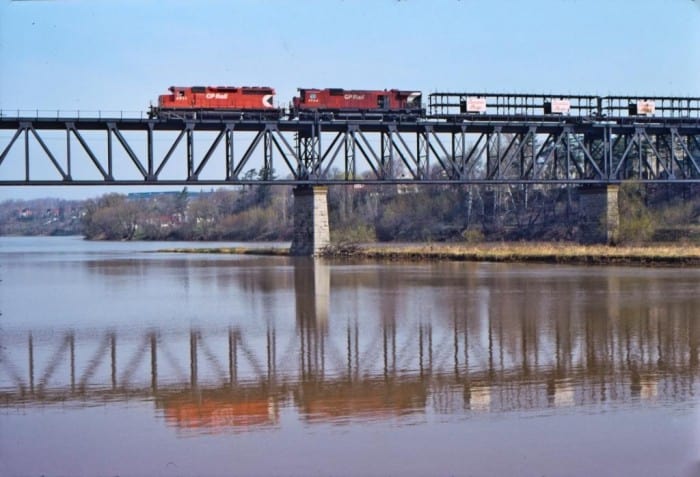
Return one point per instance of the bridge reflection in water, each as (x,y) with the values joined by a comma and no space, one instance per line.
(488,353)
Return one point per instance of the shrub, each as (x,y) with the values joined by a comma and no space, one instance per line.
(637,224)
(359,233)
(472,235)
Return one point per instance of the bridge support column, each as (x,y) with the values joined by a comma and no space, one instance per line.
(599,214)
(311,231)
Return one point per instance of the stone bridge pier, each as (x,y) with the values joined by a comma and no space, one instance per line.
(311,231)
(599,214)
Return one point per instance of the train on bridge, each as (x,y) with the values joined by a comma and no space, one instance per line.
(258,103)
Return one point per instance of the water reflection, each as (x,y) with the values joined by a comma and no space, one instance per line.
(377,343)
(216,410)
(228,397)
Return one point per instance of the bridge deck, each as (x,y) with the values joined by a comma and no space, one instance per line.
(469,149)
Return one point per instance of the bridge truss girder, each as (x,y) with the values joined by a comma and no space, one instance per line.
(638,153)
(296,152)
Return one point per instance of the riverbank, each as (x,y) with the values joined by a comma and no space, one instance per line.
(542,253)
(668,254)
(276,251)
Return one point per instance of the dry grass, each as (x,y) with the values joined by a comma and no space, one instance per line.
(669,254)
(231,251)
(540,252)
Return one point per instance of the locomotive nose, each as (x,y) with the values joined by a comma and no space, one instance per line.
(414,99)
(267,101)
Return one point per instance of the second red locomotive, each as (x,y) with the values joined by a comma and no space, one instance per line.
(337,103)
(202,102)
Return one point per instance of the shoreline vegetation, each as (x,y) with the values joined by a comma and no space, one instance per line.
(561,253)
(658,224)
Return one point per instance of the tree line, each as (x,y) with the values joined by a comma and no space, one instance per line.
(360,213)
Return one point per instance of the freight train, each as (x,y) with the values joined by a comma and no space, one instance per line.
(257,103)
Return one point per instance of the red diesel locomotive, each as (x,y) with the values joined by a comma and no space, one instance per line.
(217,102)
(356,104)
(202,102)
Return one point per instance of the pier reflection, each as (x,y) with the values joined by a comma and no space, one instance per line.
(490,343)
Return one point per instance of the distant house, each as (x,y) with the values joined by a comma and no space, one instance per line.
(165,221)
(52,213)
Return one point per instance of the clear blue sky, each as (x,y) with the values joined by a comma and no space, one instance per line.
(113,55)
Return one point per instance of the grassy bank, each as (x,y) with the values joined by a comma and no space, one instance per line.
(672,254)
(539,252)
(231,250)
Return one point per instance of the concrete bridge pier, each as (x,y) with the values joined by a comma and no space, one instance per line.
(311,231)
(599,214)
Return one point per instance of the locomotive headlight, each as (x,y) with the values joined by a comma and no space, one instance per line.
(267,101)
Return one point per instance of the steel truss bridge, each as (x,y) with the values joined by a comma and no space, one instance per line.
(512,143)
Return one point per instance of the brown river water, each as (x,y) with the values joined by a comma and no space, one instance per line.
(116,361)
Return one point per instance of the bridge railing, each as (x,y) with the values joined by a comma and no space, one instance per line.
(72,114)
(512,105)
(656,106)
(474,104)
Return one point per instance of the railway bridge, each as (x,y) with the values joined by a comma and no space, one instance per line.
(514,139)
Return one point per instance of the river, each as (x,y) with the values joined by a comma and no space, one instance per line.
(115,360)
